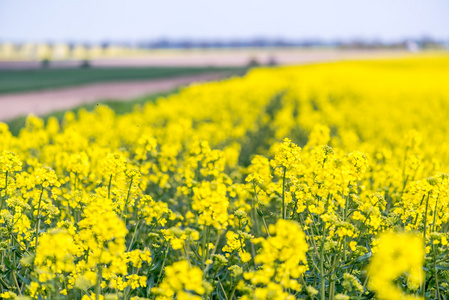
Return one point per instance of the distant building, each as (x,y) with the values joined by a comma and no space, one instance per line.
(412,46)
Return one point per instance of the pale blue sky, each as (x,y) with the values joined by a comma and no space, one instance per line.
(133,20)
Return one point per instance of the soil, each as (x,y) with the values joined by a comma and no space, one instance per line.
(43,102)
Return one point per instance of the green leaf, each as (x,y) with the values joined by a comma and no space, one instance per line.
(364,257)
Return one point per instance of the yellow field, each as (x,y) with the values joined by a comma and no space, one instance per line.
(311,182)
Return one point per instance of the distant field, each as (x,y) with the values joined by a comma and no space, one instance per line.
(325,181)
(38,79)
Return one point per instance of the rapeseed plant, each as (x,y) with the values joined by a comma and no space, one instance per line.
(312,182)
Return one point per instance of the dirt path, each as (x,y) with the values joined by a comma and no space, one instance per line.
(43,102)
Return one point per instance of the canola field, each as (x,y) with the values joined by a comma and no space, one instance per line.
(314,182)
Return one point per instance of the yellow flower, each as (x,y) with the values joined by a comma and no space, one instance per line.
(10,162)
(282,257)
(397,254)
(211,202)
(353,245)
(55,254)
(245,256)
(287,156)
(8,295)
(180,281)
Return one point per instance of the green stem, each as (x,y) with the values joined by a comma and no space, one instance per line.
(322,287)
(265,225)
(222,288)
(6,186)
(98,284)
(163,265)
(233,292)
(38,223)
(3,201)
(261,215)
(344,219)
(254,210)
(134,235)
(436,273)
(435,214)
(331,289)
(423,284)
(284,213)
(127,199)
(109,187)
(17,242)
(205,249)
(17,283)
(404,178)
(332,271)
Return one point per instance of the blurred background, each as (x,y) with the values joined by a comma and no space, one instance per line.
(56,54)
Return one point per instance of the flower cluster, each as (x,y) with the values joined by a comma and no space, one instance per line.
(200,195)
